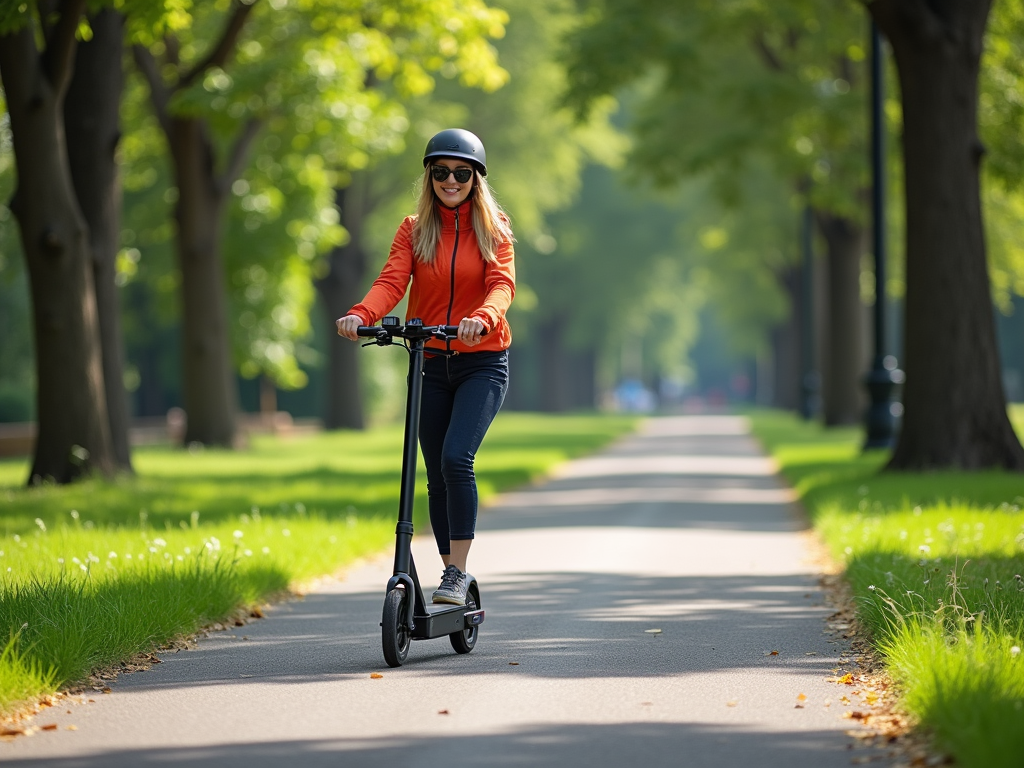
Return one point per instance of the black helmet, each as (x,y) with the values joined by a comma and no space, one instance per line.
(455,142)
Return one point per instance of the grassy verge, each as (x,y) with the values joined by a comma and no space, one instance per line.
(94,573)
(936,562)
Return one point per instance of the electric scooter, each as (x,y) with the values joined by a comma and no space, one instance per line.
(407,616)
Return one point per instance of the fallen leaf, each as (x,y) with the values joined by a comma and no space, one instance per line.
(846,679)
(16,731)
(48,727)
(106,689)
(442,712)
(811,653)
(653,631)
(72,727)
(801,697)
(845,701)
(732,703)
(376,675)
(871,697)
(513,663)
(771,653)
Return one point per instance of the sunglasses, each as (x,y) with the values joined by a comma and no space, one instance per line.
(441,173)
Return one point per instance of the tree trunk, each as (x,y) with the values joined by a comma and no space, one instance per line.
(555,387)
(74,433)
(91,120)
(843,363)
(209,391)
(341,289)
(580,376)
(786,364)
(955,408)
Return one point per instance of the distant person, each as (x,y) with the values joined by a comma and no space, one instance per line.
(457,249)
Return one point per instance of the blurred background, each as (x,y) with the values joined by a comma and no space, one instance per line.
(689,189)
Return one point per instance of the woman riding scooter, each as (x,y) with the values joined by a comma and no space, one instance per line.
(458,251)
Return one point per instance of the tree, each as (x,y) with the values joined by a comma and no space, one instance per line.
(92,132)
(955,407)
(74,433)
(304,68)
(727,82)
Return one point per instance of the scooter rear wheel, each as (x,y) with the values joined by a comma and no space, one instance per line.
(465,640)
(395,635)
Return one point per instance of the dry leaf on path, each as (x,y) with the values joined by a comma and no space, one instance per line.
(376,675)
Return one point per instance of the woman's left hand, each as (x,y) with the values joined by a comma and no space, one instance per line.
(471,331)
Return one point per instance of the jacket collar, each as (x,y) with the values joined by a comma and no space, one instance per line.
(465,210)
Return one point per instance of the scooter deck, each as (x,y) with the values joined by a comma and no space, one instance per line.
(442,619)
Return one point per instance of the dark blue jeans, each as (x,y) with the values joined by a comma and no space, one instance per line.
(461,396)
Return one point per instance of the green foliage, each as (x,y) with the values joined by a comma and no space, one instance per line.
(763,103)
(1001,120)
(935,562)
(725,81)
(103,570)
(326,84)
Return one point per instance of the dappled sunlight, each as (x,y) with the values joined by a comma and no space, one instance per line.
(603,496)
(607,466)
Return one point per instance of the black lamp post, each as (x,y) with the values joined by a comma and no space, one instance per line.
(882,380)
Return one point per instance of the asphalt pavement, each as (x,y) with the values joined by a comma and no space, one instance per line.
(655,604)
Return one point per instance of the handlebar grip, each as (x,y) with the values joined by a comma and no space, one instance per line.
(368,330)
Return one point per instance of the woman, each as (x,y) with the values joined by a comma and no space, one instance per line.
(458,252)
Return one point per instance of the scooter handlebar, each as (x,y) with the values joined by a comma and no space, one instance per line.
(406,331)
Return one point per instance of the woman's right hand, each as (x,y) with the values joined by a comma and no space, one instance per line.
(348,325)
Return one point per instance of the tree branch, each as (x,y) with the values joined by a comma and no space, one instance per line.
(159,94)
(218,57)
(239,155)
(59,57)
(767,53)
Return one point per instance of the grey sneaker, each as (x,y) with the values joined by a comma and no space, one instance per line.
(453,587)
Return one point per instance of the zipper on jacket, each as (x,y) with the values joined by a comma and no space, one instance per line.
(451,296)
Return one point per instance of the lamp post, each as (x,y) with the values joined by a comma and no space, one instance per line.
(883,413)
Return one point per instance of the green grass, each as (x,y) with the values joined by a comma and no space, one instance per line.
(93,573)
(936,562)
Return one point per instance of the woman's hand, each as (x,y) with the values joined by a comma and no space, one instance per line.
(471,331)
(348,325)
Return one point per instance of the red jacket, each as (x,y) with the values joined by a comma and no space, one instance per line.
(482,290)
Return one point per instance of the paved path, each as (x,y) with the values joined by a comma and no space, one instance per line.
(683,528)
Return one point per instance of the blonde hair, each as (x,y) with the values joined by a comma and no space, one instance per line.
(490,223)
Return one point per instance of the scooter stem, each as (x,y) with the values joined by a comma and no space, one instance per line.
(404,530)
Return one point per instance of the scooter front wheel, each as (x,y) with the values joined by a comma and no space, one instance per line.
(395,635)
(464,640)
